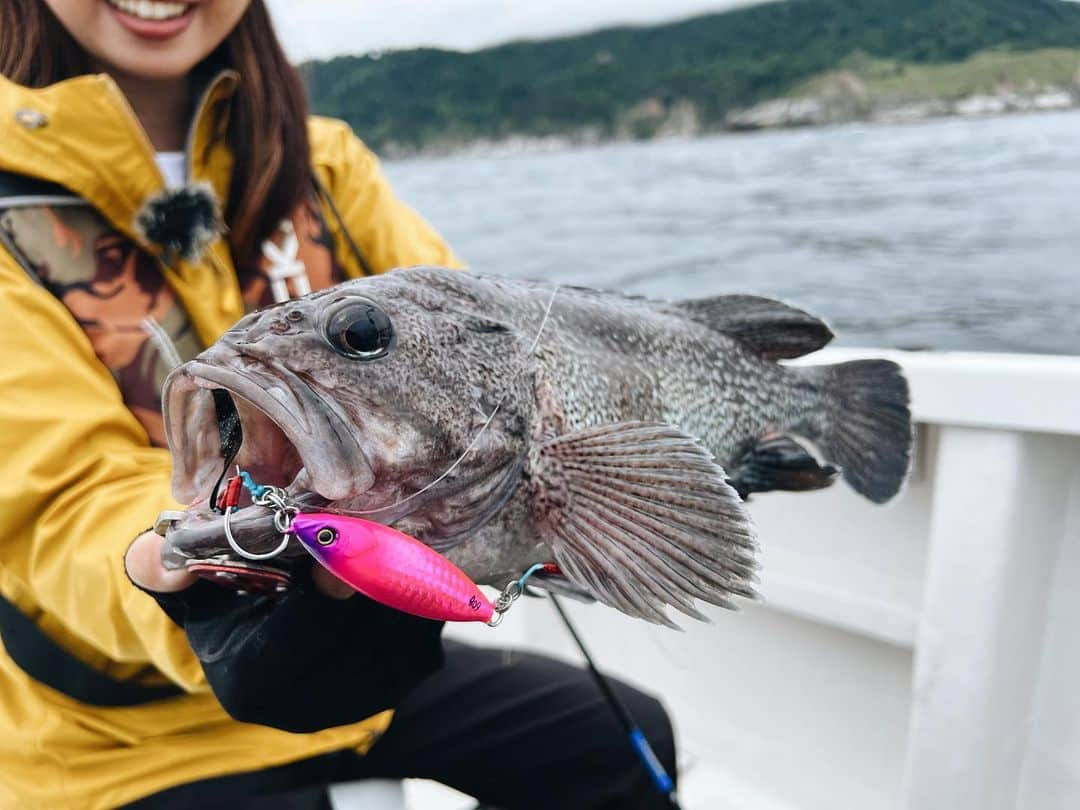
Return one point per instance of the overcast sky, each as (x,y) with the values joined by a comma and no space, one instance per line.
(324,28)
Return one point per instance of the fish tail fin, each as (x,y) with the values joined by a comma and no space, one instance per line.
(867,428)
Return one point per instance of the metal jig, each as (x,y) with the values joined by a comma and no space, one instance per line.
(277,499)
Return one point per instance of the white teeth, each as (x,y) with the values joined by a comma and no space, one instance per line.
(150,9)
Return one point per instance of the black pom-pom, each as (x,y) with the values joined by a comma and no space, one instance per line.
(183,221)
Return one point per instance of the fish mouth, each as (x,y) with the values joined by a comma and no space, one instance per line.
(294,437)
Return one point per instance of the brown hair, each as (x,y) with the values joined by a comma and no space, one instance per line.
(267,129)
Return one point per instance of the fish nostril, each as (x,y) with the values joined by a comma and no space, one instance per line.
(279,327)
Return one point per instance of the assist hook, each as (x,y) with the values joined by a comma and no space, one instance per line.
(269,497)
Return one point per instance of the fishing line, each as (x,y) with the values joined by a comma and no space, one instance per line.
(162,342)
(265,496)
(476,439)
(659,776)
(231,437)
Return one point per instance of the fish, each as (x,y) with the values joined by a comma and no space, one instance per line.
(504,423)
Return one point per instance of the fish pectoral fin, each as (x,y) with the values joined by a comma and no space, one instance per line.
(779,462)
(640,515)
(771,328)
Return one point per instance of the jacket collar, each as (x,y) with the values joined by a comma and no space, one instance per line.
(82,134)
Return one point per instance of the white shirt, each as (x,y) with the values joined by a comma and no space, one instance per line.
(173,167)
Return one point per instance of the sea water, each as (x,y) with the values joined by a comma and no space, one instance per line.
(947,234)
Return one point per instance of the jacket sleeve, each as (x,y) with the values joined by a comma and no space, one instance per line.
(388,232)
(80,481)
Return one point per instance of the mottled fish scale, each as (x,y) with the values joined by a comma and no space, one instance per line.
(513,423)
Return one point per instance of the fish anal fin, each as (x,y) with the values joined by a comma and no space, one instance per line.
(771,328)
(640,516)
(778,462)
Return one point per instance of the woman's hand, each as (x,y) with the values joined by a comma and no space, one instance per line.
(143,563)
(298,661)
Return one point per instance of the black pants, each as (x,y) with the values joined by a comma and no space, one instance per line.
(516,730)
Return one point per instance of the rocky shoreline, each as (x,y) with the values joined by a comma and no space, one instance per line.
(843,98)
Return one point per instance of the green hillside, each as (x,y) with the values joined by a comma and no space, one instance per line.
(711,64)
(982,73)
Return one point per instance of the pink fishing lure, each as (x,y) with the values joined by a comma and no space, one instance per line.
(392,568)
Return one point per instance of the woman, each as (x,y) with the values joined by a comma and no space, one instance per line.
(158,177)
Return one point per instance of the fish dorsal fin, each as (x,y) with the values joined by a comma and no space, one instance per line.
(640,515)
(771,328)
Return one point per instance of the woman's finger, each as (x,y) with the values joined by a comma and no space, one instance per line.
(143,563)
(329,584)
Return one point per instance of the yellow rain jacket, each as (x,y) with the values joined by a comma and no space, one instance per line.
(80,475)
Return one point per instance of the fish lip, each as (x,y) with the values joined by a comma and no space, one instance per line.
(336,465)
(198,535)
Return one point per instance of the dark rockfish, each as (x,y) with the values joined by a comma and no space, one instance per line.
(506,423)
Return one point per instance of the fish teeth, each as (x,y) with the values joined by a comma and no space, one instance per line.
(150,9)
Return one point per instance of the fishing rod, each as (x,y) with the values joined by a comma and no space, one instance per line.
(386,549)
(660,777)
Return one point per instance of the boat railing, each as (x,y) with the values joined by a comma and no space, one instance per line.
(921,654)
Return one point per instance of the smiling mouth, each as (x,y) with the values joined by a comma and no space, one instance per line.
(151,10)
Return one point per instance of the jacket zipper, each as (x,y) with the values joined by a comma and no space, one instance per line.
(144,139)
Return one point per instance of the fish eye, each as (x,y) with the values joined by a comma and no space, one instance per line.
(360,330)
(326,536)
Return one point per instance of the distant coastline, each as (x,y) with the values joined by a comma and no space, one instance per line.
(798,112)
(777,65)
(780,113)
(989,83)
